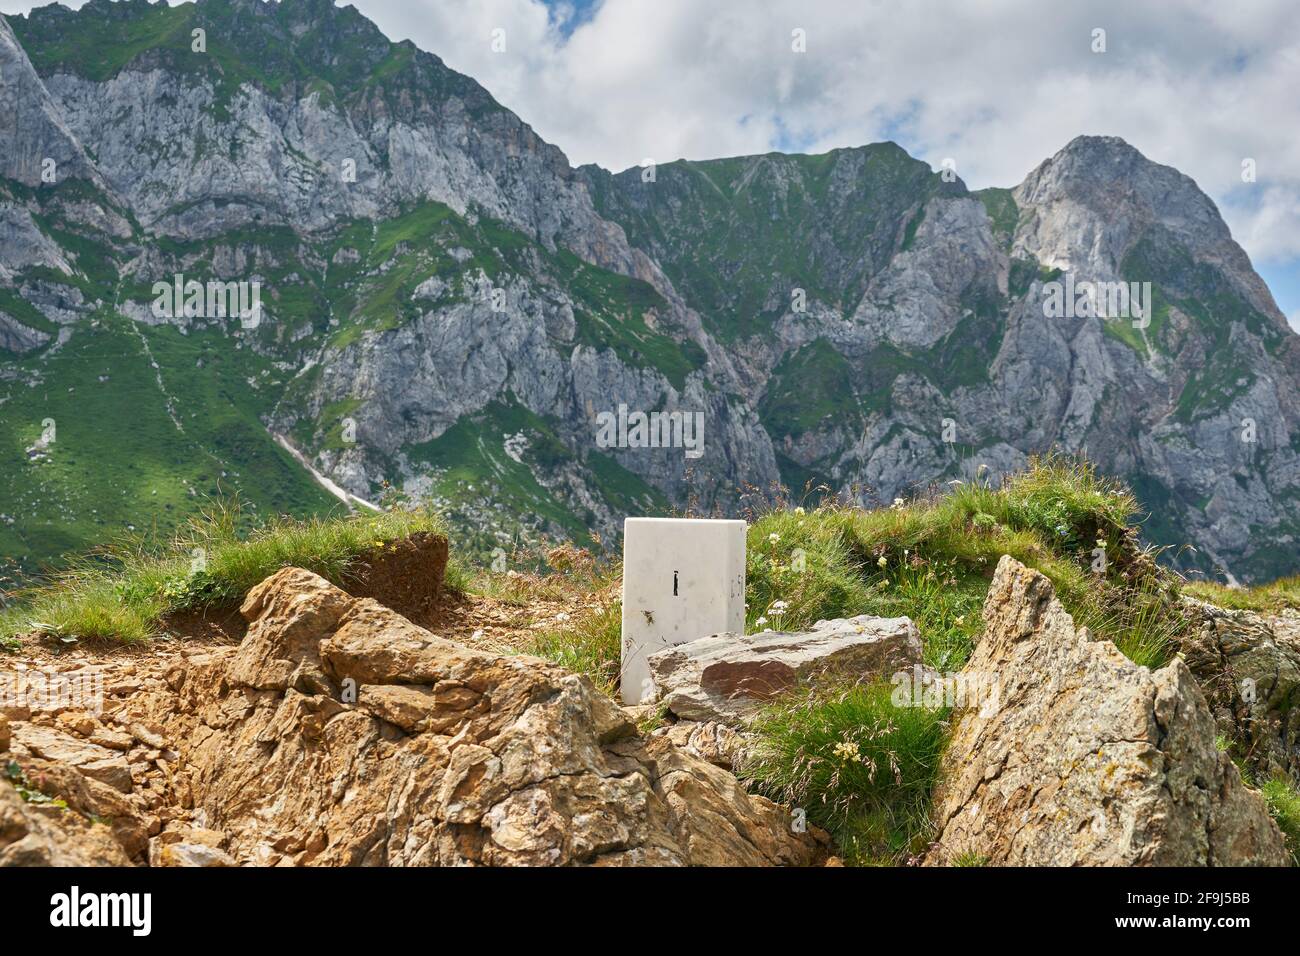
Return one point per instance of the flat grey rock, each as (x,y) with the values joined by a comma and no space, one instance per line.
(729,677)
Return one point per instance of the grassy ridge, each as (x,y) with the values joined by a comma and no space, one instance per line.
(1274,596)
(123,592)
(860,766)
(931,559)
(710,225)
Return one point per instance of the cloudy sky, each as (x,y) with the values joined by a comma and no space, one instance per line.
(996,85)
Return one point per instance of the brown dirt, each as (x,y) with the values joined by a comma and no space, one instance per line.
(218,625)
(405,575)
(506,626)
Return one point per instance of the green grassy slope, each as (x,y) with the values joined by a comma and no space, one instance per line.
(118,460)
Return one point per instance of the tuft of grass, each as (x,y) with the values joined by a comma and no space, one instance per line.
(558,573)
(932,559)
(123,593)
(808,562)
(652,722)
(1063,497)
(1284,805)
(590,642)
(1275,596)
(1144,623)
(591,645)
(943,602)
(459,575)
(861,767)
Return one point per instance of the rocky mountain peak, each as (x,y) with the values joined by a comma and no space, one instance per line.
(1108,177)
(443,287)
(1099,197)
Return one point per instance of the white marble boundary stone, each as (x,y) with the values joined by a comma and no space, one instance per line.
(683,578)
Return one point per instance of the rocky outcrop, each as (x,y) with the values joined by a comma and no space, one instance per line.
(93,760)
(1088,759)
(191,854)
(23,245)
(729,677)
(339,733)
(81,800)
(19,338)
(47,835)
(1248,665)
(96,785)
(718,743)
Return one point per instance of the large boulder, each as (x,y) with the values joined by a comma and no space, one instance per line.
(340,733)
(729,677)
(1087,759)
(1248,665)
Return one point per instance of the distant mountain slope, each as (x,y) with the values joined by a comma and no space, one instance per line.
(449,307)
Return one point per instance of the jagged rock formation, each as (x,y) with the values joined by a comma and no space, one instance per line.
(339,733)
(448,756)
(29,836)
(448,305)
(35,141)
(718,743)
(1087,759)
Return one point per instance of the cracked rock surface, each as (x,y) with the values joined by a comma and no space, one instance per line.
(729,677)
(1088,759)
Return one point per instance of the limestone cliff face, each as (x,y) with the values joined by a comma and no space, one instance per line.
(938,355)
(34,135)
(449,306)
